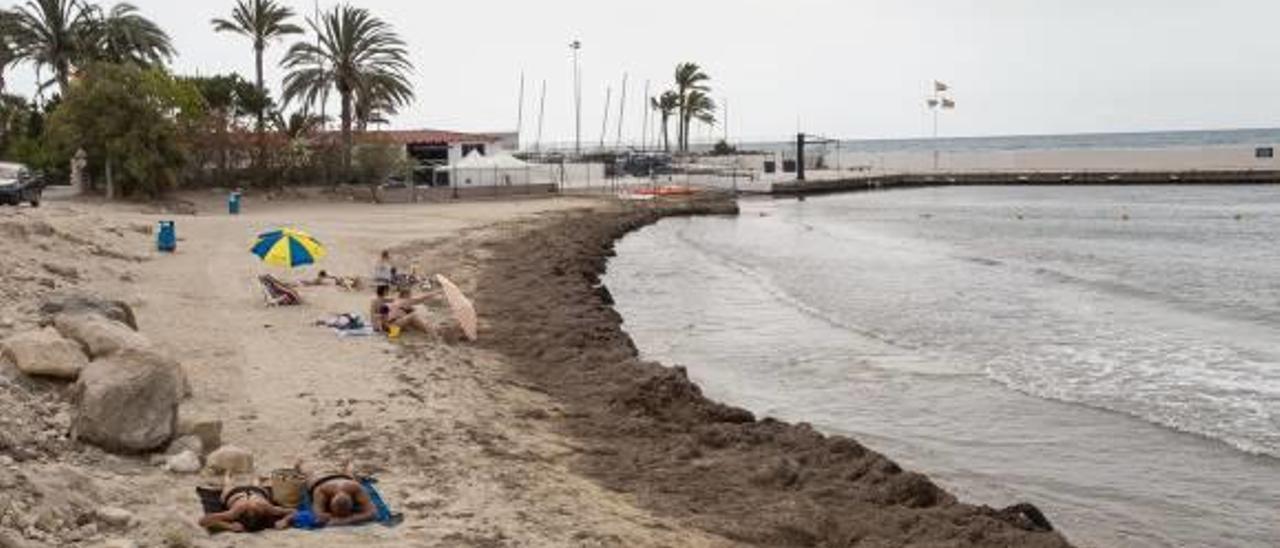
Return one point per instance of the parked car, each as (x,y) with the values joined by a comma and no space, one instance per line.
(19,184)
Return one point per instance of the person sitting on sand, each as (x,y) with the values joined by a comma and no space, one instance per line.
(380,308)
(404,313)
(338,499)
(247,509)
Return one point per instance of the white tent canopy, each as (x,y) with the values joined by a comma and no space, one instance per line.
(500,169)
(476,161)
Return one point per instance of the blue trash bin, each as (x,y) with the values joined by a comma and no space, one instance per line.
(167,237)
(233,203)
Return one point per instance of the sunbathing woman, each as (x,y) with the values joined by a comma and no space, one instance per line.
(247,509)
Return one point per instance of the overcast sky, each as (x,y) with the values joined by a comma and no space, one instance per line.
(849,68)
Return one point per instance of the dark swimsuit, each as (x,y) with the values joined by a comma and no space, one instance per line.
(249,490)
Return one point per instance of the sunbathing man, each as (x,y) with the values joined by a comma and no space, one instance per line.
(248,509)
(339,499)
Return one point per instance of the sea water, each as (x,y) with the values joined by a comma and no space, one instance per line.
(1109,354)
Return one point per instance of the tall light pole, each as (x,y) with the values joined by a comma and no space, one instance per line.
(940,100)
(576,46)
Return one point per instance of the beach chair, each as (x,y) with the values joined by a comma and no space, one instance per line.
(276,293)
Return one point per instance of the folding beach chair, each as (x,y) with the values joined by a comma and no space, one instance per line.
(276,293)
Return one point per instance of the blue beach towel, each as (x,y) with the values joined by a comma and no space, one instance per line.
(385,516)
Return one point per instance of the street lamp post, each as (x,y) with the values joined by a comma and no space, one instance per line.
(940,100)
(576,46)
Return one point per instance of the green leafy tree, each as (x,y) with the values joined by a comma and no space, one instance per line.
(231,95)
(377,161)
(8,46)
(262,21)
(689,79)
(21,133)
(222,133)
(666,104)
(132,122)
(356,52)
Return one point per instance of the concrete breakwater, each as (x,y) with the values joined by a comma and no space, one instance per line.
(1037,178)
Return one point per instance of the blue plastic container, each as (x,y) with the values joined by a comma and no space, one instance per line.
(233,203)
(167,237)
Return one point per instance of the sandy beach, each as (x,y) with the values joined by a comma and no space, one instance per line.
(549,432)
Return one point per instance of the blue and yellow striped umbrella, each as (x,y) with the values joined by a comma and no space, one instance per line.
(288,247)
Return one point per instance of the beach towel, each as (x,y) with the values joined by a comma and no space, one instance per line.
(385,515)
(348,325)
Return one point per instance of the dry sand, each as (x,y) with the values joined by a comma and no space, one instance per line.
(446,428)
(548,433)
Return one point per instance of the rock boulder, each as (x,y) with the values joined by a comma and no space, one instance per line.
(185,462)
(230,459)
(45,353)
(128,402)
(99,335)
(208,430)
(80,303)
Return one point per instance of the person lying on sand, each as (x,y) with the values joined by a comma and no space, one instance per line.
(338,499)
(324,278)
(249,509)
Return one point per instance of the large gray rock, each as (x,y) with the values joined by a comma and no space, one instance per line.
(128,402)
(99,335)
(80,303)
(44,353)
(185,462)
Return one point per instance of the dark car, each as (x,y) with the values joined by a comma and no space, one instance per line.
(19,184)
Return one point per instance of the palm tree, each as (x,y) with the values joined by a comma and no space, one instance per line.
(123,35)
(697,105)
(666,105)
(262,21)
(63,34)
(689,78)
(356,52)
(379,97)
(297,125)
(48,33)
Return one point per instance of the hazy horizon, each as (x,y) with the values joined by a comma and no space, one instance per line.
(856,70)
